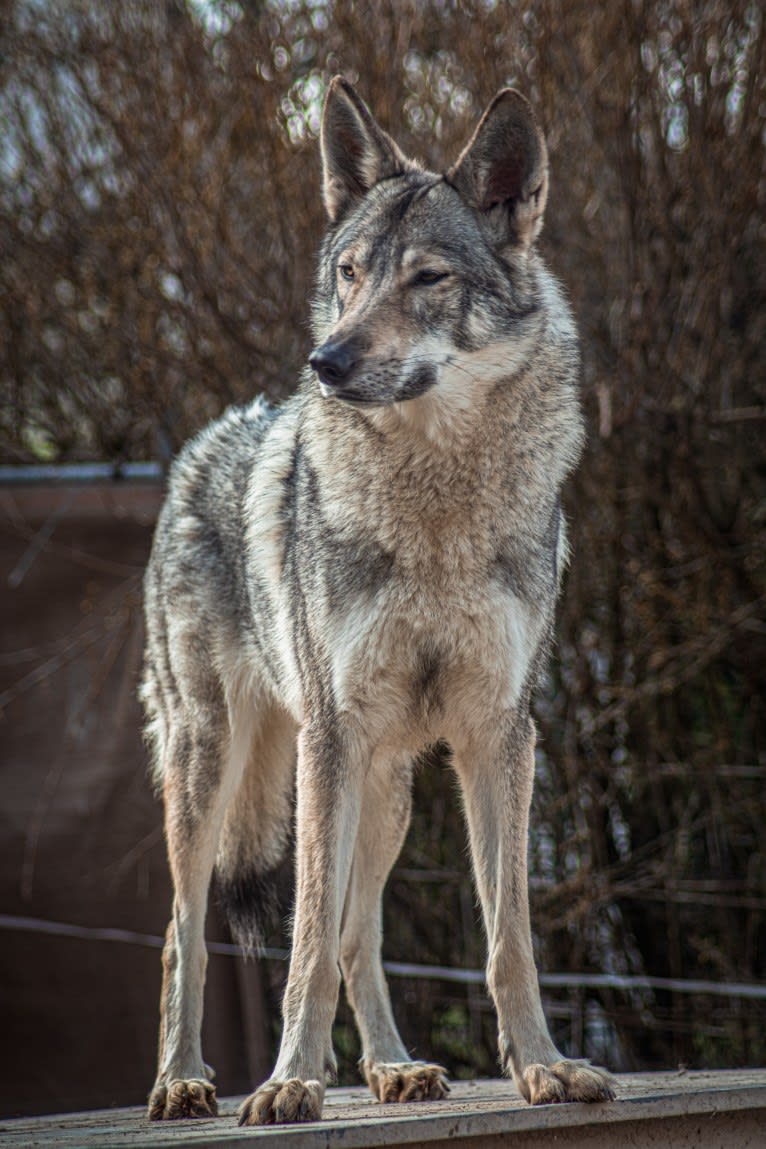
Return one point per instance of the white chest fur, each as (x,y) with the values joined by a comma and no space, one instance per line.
(443,644)
(415,664)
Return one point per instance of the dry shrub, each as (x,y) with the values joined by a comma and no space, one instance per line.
(159,220)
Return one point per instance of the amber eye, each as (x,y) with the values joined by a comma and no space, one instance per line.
(346,271)
(428,276)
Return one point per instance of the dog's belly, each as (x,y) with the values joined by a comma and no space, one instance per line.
(408,671)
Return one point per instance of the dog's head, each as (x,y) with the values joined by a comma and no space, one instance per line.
(424,283)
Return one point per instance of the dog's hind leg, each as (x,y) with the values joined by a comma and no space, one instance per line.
(497,778)
(201,761)
(390,1072)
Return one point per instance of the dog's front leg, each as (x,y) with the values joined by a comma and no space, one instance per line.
(328,802)
(497,779)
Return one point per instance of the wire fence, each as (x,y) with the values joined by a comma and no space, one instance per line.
(399,969)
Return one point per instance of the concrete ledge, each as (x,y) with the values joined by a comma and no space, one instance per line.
(725,1110)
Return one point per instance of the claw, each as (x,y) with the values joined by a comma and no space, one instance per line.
(298,1101)
(566,1080)
(406,1081)
(181,1099)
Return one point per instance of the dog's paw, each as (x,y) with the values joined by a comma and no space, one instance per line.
(177,1099)
(282,1102)
(406,1080)
(566,1081)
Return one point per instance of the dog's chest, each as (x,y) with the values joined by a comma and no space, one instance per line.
(425,627)
(439,645)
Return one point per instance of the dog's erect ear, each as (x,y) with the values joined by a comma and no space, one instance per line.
(503,171)
(356,152)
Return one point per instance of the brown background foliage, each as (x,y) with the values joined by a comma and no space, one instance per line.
(159,216)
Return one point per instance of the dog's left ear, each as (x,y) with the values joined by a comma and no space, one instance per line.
(503,171)
(356,152)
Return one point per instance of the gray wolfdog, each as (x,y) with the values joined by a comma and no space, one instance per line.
(366,572)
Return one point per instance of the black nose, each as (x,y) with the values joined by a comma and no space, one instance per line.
(333,363)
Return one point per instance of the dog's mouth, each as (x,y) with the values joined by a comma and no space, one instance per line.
(416,384)
(352,398)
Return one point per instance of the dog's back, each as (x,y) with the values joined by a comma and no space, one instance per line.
(195,590)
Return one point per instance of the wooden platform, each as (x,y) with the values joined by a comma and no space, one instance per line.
(721,1110)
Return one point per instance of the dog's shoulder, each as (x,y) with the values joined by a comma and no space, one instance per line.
(198,539)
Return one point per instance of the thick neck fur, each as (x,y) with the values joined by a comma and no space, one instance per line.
(492,472)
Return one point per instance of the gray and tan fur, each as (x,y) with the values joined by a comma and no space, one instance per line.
(365,572)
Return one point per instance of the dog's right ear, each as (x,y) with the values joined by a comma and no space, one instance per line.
(356,152)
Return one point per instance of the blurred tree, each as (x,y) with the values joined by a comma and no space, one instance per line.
(159,214)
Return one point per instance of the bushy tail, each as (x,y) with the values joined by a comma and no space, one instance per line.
(252,877)
(250,902)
